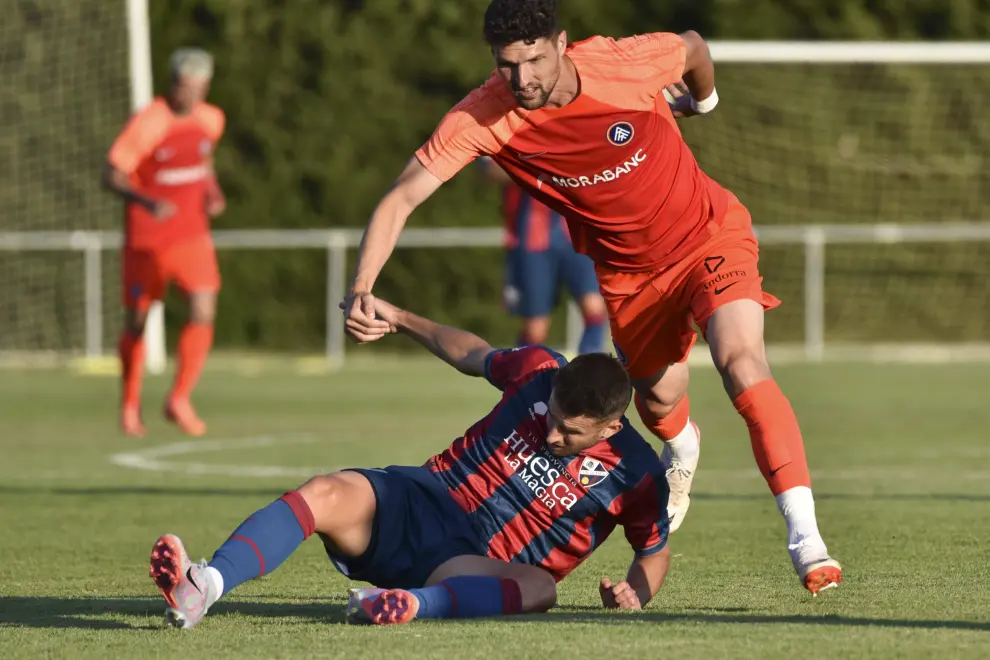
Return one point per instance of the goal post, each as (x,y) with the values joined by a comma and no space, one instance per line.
(142,91)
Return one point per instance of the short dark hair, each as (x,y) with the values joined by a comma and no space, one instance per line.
(592,385)
(509,21)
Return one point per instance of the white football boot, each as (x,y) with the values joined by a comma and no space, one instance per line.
(680,474)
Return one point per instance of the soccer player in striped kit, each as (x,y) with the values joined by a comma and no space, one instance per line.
(484,528)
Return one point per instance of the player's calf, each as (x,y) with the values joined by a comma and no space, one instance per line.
(195,342)
(130,349)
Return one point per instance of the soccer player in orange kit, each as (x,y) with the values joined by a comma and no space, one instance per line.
(586,128)
(162,165)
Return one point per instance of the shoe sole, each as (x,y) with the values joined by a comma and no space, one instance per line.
(826,575)
(166,567)
(391,607)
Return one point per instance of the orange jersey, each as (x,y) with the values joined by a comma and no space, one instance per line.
(168,157)
(612,161)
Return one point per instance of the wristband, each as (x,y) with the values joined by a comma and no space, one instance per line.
(707,105)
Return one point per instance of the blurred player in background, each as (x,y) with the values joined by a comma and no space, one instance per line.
(162,165)
(485,528)
(587,130)
(540,260)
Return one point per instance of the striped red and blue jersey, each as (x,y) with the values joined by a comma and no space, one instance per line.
(529,224)
(535,508)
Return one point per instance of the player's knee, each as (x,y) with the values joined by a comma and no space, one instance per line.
(593,308)
(651,409)
(742,368)
(658,396)
(203,308)
(135,321)
(539,593)
(534,331)
(320,493)
(327,495)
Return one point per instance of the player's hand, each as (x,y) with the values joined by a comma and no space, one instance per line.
(679,99)
(215,205)
(386,311)
(618,596)
(362,325)
(162,209)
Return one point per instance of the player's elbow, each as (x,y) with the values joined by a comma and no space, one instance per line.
(106,178)
(698,55)
(112,179)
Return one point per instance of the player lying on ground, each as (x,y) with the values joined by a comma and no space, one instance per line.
(586,129)
(539,262)
(162,165)
(485,528)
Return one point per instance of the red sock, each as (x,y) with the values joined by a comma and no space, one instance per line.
(665,428)
(131,351)
(775,436)
(194,345)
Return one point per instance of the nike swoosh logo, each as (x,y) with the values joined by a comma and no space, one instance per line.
(191,580)
(523,156)
(720,291)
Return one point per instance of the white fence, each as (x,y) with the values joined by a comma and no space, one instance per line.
(813,240)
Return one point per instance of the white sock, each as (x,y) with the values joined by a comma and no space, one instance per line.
(216,581)
(797,505)
(686,445)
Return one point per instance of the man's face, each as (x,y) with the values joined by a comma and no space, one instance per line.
(568,436)
(189,91)
(531,70)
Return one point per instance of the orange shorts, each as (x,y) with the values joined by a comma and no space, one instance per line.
(191,264)
(651,313)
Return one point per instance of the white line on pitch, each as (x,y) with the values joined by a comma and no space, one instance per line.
(151,459)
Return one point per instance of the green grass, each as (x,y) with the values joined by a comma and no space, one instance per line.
(900,456)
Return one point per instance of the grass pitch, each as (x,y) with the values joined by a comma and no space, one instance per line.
(900,458)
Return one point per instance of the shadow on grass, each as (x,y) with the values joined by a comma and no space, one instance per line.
(87,613)
(52,612)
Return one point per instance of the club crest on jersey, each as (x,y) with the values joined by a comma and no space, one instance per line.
(620,133)
(205,147)
(591,472)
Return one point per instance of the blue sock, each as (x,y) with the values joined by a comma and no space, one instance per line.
(467,597)
(264,540)
(593,337)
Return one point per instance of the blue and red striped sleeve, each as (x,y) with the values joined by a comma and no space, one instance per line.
(642,512)
(513,364)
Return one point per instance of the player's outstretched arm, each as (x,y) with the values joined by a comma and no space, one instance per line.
(413,187)
(643,581)
(461,349)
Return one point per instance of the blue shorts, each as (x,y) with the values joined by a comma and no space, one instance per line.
(417,527)
(534,279)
